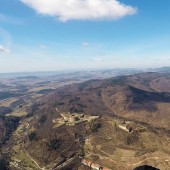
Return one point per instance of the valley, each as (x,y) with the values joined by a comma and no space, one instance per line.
(112,123)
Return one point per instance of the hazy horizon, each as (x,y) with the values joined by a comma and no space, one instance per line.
(83,70)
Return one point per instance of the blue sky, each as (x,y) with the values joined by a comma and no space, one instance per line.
(41,35)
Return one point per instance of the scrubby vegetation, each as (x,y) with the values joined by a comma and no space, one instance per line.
(60,103)
(9,125)
(5,95)
(17,103)
(76,109)
(32,136)
(54,144)
(95,126)
(45,91)
(119,80)
(4,164)
(4,110)
(92,130)
(133,138)
(43,119)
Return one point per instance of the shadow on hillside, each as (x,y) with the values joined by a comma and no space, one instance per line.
(145,96)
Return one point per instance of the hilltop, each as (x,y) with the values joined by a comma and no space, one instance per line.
(117,123)
(144,97)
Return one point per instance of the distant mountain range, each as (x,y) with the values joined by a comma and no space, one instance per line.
(100,73)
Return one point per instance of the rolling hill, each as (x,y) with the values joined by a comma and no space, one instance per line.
(117,123)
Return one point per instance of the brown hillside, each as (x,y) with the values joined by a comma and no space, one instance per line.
(144,97)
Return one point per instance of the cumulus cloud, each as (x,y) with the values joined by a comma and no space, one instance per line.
(3,49)
(81,9)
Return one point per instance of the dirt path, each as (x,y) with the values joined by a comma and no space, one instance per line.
(148,159)
(156,158)
(35,162)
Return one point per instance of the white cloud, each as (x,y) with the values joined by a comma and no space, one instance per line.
(97,59)
(3,49)
(81,9)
